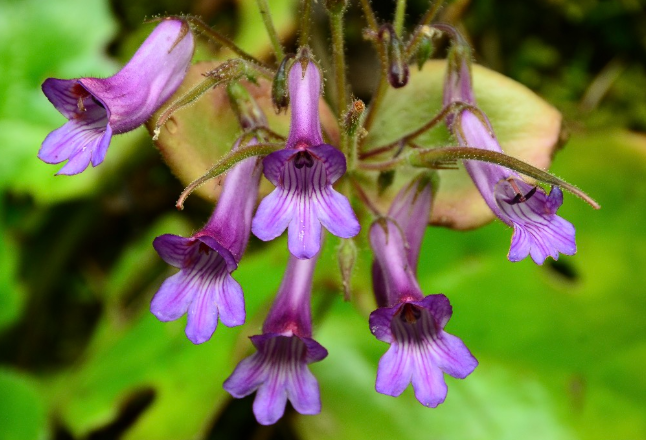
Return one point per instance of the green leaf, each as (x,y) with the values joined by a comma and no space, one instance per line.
(527,127)
(22,410)
(560,346)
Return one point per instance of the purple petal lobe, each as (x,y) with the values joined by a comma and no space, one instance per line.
(333,161)
(304,234)
(278,372)
(274,214)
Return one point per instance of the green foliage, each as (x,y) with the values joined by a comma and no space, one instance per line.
(22,409)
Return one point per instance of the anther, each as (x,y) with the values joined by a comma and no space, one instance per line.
(519,197)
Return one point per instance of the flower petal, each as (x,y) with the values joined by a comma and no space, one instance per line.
(172,248)
(335,213)
(230,301)
(333,161)
(303,390)
(79,141)
(173,297)
(270,401)
(274,214)
(428,380)
(395,371)
(453,357)
(248,375)
(304,234)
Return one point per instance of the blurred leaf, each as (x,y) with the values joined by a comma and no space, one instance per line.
(22,410)
(252,35)
(67,39)
(186,379)
(561,346)
(12,294)
(138,259)
(526,126)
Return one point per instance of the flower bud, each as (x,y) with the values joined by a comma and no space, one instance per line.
(397,65)
(279,95)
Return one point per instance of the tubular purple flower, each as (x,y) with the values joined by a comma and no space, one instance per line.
(303,174)
(410,211)
(203,287)
(97,108)
(278,370)
(420,350)
(538,231)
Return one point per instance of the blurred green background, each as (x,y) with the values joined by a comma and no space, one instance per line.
(562,347)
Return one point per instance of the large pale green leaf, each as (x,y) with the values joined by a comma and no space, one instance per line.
(526,126)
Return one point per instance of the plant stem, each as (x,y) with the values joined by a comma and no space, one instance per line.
(383,59)
(213,35)
(338,49)
(271,30)
(398,22)
(306,21)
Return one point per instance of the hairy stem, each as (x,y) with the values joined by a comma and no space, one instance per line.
(271,30)
(400,12)
(306,21)
(210,34)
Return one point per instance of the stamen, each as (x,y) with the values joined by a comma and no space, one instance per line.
(80,104)
(519,197)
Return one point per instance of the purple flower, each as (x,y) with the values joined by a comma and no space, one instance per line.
(538,231)
(303,174)
(278,370)
(97,108)
(420,350)
(203,287)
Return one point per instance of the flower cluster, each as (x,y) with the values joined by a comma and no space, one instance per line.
(304,169)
